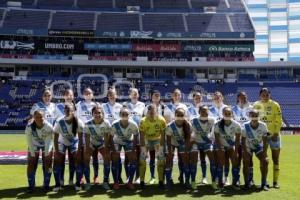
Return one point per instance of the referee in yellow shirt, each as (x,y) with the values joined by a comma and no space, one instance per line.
(152,129)
(270,113)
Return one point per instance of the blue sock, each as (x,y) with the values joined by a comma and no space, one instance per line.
(187,173)
(263,181)
(168,173)
(180,167)
(152,167)
(86,172)
(47,178)
(31,179)
(95,166)
(132,170)
(115,171)
(226,171)
(193,171)
(79,173)
(250,174)
(71,171)
(220,174)
(203,168)
(106,169)
(213,171)
(57,174)
(62,171)
(235,175)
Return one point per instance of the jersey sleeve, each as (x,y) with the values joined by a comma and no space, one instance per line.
(80,128)
(163,123)
(57,128)
(264,130)
(243,133)
(216,129)
(168,131)
(277,118)
(238,128)
(33,109)
(135,129)
(29,140)
(142,125)
(48,141)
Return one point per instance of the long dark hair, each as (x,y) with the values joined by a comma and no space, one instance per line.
(74,120)
(186,126)
(222,121)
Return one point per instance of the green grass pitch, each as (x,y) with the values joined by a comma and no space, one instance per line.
(13,181)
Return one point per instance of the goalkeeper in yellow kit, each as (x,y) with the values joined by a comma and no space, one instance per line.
(270,113)
(152,129)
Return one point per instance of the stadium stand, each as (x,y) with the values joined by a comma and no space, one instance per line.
(117,22)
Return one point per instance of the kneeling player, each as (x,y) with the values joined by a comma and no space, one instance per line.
(178,137)
(124,133)
(152,129)
(202,139)
(97,140)
(39,138)
(254,140)
(67,132)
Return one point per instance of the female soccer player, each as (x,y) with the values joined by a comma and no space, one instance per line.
(152,129)
(97,140)
(202,140)
(178,134)
(227,134)
(254,140)
(84,113)
(39,138)
(170,116)
(67,136)
(270,113)
(111,108)
(155,100)
(46,105)
(124,135)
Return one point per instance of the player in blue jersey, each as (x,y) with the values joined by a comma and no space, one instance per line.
(227,133)
(124,136)
(178,134)
(39,136)
(67,136)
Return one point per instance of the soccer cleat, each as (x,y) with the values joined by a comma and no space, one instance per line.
(265,188)
(62,183)
(96,180)
(77,188)
(142,185)
(121,180)
(56,189)
(130,186)
(46,188)
(105,185)
(214,185)
(251,183)
(30,190)
(161,185)
(194,186)
(246,187)
(71,183)
(87,187)
(187,186)
(235,186)
(116,186)
(180,179)
(226,181)
(276,185)
(204,181)
(152,181)
(138,181)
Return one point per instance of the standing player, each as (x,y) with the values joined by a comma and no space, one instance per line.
(39,136)
(170,116)
(68,96)
(202,140)
(216,111)
(111,108)
(254,140)
(270,113)
(152,129)
(97,140)
(67,136)
(124,135)
(227,134)
(136,109)
(155,100)
(84,113)
(178,134)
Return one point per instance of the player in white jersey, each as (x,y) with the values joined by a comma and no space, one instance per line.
(155,100)
(39,136)
(169,115)
(97,140)
(227,134)
(254,140)
(202,139)
(84,113)
(136,109)
(178,134)
(241,114)
(68,96)
(46,105)
(67,136)
(124,136)
(111,108)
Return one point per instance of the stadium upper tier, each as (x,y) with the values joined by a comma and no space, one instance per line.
(221,5)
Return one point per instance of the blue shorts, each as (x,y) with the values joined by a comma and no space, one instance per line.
(128,146)
(257,150)
(180,149)
(62,148)
(37,149)
(275,145)
(202,147)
